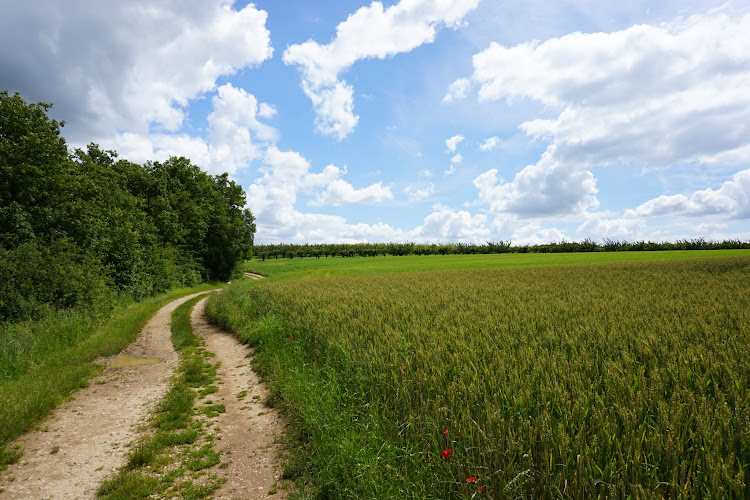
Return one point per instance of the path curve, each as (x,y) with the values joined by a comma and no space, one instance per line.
(86,439)
(249,429)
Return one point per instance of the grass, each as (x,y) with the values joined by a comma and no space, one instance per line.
(338,266)
(178,442)
(627,380)
(43,362)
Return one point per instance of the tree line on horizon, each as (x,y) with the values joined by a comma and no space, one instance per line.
(80,229)
(291,251)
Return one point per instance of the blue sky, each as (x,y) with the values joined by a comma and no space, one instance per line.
(416,120)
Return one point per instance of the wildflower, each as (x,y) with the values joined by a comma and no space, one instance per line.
(480,489)
(472,479)
(445,432)
(447,453)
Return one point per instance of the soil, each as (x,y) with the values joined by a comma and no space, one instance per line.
(249,429)
(86,439)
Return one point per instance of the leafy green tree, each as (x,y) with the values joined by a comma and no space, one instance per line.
(101,223)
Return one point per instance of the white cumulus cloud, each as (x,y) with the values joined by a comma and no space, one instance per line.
(272,199)
(445,224)
(138,65)
(370,32)
(653,96)
(452,143)
(732,199)
(419,193)
(235,137)
(340,192)
(489,144)
(544,189)
(266,110)
(457,90)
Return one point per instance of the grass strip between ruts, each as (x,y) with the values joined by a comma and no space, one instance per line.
(174,458)
(30,396)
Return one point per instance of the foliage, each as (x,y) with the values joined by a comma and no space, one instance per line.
(78,228)
(614,380)
(291,251)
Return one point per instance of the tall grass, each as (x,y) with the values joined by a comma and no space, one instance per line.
(614,380)
(41,362)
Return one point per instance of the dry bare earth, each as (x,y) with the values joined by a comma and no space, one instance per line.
(248,428)
(86,439)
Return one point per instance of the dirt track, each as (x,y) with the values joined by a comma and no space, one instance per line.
(248,428)
(86,439)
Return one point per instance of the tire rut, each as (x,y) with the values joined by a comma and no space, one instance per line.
(248,429)
(86,438)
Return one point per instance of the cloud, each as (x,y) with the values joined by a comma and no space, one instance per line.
(457,90)
(266,110)
(445,224)
(652,96)
(489,144)
(370,32)
(544,189)
(535,234)
(419,193)
(340,192)
(425,172)
(732,200)
(235,136)
(126,66)
(457,159)
(599,228)
(452,143)
(450,171)
(273,196)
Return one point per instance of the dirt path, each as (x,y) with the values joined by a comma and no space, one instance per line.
(248,428)
(86,439)
(253,276)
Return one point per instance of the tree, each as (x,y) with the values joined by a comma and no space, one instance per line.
(104,223)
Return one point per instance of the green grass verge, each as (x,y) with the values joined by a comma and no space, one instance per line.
(624,380)
(41,363)
(173,459)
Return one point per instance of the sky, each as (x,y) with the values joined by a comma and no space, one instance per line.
(416,120)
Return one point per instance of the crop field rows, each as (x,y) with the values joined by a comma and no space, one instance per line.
(612,380)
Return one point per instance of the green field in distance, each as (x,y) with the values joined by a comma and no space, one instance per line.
(333,266)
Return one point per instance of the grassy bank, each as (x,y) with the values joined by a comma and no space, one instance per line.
(42,362)
(612,380)
(173,459)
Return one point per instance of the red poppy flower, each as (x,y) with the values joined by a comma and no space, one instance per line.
(445,431)
(472,479)
(480,489)
(447,453)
